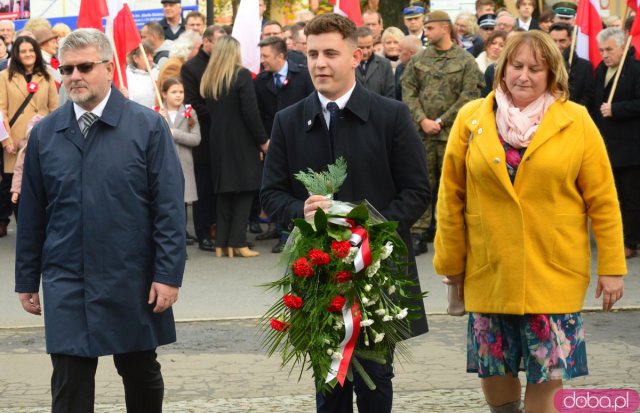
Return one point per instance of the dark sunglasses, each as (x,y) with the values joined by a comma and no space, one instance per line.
(82,67)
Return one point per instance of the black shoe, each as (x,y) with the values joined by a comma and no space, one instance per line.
(279,247)
(270,234)
(254,227)
(207,245)
(419,242)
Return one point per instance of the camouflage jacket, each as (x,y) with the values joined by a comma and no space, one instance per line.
(437,84)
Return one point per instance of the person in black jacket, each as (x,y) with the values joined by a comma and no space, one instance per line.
(619,124)
(236,138)
(374,72)
(172,23)
(204,210)
(385,160)
(281,84)
(581,71)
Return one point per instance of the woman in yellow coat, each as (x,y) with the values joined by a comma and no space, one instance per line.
(26,75)
(523,171)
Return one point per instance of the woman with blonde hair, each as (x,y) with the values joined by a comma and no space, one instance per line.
(467,29)
(237,139)
(524,171)
(390,39)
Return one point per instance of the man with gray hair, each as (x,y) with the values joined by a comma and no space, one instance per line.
(619,122)
(102,226)
(7,31)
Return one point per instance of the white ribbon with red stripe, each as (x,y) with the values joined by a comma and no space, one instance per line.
(359,236)
(340,366)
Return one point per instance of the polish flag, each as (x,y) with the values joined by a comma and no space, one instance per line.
(589,25)
(633,4)
(246,29)
(91,14)
(635,31)
(122,29)
(348,8)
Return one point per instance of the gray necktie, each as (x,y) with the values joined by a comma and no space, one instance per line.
(88,119)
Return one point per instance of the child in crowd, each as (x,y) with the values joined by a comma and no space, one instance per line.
(183,121)
(16,182)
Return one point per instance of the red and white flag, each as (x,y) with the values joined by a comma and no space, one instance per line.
(122,29)
(633,4)
(91,14)
(589,25)
(246,29)
(348,8)
(635,31)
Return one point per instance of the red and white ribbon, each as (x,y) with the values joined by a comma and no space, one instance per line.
(359,236)
(340,366)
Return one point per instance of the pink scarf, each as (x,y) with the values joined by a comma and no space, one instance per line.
(516,126)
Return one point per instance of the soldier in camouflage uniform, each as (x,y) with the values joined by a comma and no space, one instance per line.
(436,83)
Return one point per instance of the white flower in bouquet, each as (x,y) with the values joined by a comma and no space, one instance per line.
(387,318)
(381,311)
(366,323)
(402,314)
(378,338)
(373,269)
(336,355)
(371,302)
(353,251)
(392,289)
(386,250)
(364,300)
(367,287)
(338,325)
(329,351)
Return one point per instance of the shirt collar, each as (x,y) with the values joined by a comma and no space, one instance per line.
(96,111)
(341,101)
(285,70)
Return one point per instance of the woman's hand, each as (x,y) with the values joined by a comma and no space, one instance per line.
(8,146)
(611,288)
(457,280)
(14,197)
(313,203)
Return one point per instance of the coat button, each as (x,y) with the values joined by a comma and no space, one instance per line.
(479,131)
(496,160)
(474,122)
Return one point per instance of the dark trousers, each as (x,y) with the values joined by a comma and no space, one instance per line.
(233,210)
(254,214)
(340,400)
(73,382)
(628,186)
(6,207)
(204,209)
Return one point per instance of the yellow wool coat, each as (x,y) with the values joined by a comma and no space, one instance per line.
(524,247)
(12,93)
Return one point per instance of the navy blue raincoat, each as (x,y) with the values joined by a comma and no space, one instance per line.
(100,219)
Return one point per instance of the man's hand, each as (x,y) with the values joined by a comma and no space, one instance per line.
(605,109)
(313,203)
(164,296)
(430,127)
(265,146)
(611,288)
(30,302)
(456,280)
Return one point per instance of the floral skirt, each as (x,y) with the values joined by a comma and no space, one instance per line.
(544,346)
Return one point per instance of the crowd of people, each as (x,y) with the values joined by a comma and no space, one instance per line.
(518,140)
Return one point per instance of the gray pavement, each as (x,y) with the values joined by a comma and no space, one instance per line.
(218,366)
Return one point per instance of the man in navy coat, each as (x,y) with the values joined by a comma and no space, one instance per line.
(385,161)
(101,223)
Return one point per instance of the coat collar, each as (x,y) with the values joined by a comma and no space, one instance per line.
(358,104)
(483,132)
(267,77)
(21,83)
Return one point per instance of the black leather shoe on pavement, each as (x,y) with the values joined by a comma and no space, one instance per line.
(207,245)
(254,227)
(270,234)
(419,242)
(279,246)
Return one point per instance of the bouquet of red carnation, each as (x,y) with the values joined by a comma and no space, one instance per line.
(345,282)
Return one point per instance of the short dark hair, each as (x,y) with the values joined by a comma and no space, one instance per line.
(295,29)
(277,44)
(485,3)
(363,31)
(211,30)
(272,23)
(559,27)
(546,16)
(332,23)
(155,28)
(196,14)
(519,3)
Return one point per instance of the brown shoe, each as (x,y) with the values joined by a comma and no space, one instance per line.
(630,252)
(3,229)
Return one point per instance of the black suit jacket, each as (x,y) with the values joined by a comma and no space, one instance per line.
(191,73)
(621,131)
(168,33)
(379,77)
(270,99)
(297,57)
(581,79)
(385,159)
(397,76)
(532,26)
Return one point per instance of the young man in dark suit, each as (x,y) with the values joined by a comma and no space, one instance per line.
(385,161)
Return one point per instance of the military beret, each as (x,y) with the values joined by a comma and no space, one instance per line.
(437,16)
(565,9)
(487,20)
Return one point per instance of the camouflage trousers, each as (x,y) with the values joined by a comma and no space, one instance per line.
(434,153)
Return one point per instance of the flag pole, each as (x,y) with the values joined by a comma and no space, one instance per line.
(155,85)
(118,68)
(574,39)
(619,71)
